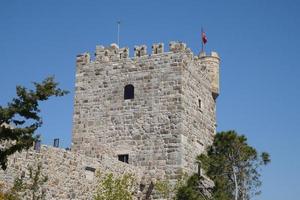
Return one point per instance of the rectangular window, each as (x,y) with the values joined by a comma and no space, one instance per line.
(89,173)
(91,169)
(123,158)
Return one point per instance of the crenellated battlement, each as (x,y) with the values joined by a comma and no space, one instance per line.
(83,58)
(111,53)
(212,55)
(177,46)
(209,62)
(114,53)
(157,48)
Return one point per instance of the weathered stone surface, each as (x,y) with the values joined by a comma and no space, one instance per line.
(70,175)
(164,127)
(170,120)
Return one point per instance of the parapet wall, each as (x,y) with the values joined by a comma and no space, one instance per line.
(114,53)
(71,175)
(209,62)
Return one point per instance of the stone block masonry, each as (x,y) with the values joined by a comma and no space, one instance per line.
(169,117)
(154,112)
(71,175)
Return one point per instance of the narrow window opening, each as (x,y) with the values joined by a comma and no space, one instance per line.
(23,174)
(199,103)
(129,92)
(123,158)
(199,170)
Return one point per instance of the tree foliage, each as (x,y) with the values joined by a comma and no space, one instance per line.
(31,186)
(9,194)
(34,186)
(190,189)
(164,188)
(185,188)
(234,166)
(115,188)
(20,118)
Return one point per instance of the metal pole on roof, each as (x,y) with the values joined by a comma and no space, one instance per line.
(119,23)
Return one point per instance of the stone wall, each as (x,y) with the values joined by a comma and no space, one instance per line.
(71,175)
(146,127)
(199,116)
(162,128)
(170,120)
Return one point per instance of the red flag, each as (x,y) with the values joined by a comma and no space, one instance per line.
(204,38)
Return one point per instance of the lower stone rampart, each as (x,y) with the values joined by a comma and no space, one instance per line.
(70,175)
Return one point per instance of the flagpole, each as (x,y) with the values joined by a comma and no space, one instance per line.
(202,45)
(118,22)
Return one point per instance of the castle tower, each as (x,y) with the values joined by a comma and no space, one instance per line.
(212,62)
(155,111)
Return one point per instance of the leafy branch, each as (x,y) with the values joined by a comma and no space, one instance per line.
(20,118)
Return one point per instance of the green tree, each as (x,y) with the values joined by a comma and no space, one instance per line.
(190,189)
(20,118)
(34,187)
(234,166)
(30,187)
(164,188)
(185,188)
(115,188)
(8,195)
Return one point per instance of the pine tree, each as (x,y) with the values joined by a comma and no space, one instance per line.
(234,166)
(20,118)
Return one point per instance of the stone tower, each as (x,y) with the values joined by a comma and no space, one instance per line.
(156,111)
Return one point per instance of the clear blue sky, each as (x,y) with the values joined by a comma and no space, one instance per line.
(258,41)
